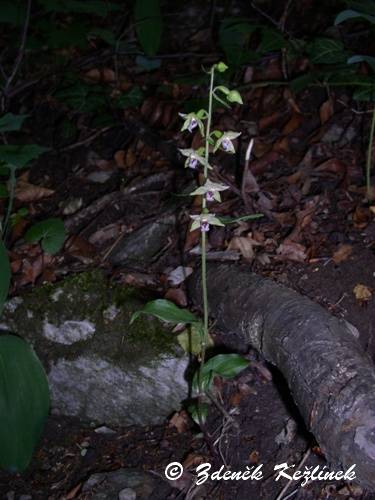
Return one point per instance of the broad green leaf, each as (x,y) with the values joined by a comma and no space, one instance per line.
(232,220)
(226,365)
(93,7)
(131,99)
(147,63)
(234,37)
(365,93)
(19,156)
(24,402)
(191,339)
(16,217)
(68,129)
(70,35)
(12,13)
(206,380)
(11,122)
(198,412)
(302,82)
(149,25)
(326,51)
(3,191)
(106,35)
(82,97)
(5,275)
(353,14)
(358,58)
(349,78)
(222,365)
(363,6)
(272,40)
(51,232)
(166,311)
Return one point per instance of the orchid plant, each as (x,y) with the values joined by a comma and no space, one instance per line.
(196,338)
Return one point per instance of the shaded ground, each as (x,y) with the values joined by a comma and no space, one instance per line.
(110,179)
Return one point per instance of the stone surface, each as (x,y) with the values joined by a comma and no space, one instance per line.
(100,368)
(125,484)
(145,244)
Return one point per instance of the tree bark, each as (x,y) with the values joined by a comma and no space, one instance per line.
(332,380)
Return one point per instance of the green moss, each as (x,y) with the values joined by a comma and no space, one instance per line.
(85,297)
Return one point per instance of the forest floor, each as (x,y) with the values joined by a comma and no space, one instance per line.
(107,177)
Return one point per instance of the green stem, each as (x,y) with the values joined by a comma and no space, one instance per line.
(203,234)
(369,156)
(208,129)
(12,183)
(204,295)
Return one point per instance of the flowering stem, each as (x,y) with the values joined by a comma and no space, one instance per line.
(369,157)
(203,234)
(208,128)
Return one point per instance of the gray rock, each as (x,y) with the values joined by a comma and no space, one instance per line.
(125,484)
(99,367)
(145,244)
(127,494)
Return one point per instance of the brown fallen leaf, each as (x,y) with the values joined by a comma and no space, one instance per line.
(193,459)
(333,166)
(177,296)
(93,75)
(108,75)
(245,244)
(292,251)
(81,249)
(362,292)
(73,492)
(254,457)
(26,192)
(120,158)
(276,118)
(180,420)
(361,217)
(16,265)
(264,163)
(326,111)
(342,253)
(31,270)
(192,239)
(236,399)
(96,75)
(292,125)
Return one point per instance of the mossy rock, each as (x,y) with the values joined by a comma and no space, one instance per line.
(101,368)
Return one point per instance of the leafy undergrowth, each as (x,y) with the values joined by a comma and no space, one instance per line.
(110,121)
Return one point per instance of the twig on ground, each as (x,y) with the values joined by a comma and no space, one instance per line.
(86,141)
(301,464)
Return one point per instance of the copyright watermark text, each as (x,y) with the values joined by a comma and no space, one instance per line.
(174,471)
